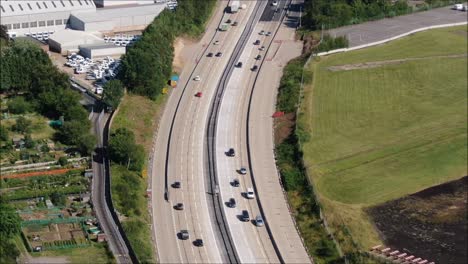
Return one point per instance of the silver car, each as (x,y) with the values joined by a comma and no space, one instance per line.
(259,221)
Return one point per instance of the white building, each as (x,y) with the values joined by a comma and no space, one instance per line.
(25,16)
(66,41)
(108,3)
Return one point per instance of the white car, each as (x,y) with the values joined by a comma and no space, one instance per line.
(250,193)
(275,3)
(197,78)
(243,171)
(259,221)
(216,42)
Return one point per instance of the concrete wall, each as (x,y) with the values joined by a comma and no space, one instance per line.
(90,52)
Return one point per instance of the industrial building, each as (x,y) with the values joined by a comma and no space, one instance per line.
(117,19)
(108,3)
(67,40)
(94,51)
(26,17)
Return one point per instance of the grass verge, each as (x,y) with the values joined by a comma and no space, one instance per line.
(379,133)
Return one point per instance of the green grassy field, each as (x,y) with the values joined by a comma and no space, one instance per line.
(380,133)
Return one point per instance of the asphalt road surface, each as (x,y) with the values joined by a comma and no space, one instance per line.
(186,152)
(389,27)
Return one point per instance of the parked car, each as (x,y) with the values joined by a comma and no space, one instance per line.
(245,216)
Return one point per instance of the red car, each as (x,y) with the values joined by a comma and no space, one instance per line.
(199,94)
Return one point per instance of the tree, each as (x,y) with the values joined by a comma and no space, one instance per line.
(63,161)
(124,150)
(22,125)
(58,199)
(3,133)
(9,220)
(113,93)
(86,143)
(3,32)
(28,141)
(18,105)
(71,132)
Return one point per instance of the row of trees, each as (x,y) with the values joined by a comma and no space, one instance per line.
(147,65)
(336,13)
(28,74)
(9,228)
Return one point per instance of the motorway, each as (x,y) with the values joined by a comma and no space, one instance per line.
(179,153)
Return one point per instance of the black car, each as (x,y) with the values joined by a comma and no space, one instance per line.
(210,54)
(231,152)
(176,185)
(255,68)
(235,183)
(235,23)
(198,242)
(179,206)
(258,57)
(228,21)
(245,216)
(239,65)
(219,54)
(184,235)
(257,42)
(232,203)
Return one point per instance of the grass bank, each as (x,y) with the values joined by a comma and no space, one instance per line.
(138,114)
(376,132)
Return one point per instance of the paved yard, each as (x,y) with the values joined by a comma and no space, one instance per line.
(386,28)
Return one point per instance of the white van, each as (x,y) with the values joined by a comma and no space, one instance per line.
(250,193)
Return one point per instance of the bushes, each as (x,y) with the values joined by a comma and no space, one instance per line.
(148,64)
(330,43)
(290,86)
(124,150)
(336,13)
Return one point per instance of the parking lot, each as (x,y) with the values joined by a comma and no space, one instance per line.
(386,28)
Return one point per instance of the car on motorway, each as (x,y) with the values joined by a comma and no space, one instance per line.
(210,54)
(245,216)
(216,42)
(176,185)
(250,193)
(262,32)
(258,57)
(197,78)
(179,206)
(268,34)
(231,152)
(228,21)
(198,242)
(235,183)
(274,3)
(259,221)
(257,42)
(232,203)
(235,23)
(219,54)
(262,48)
(255,68)
(184,234)
(239,64)
(243,171)
(199,94)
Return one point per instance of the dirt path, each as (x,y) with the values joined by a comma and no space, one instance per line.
(376,64)
(183,49)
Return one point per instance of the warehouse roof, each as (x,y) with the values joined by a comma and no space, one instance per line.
(109,14)
(27,7)
(76,37)
(99,46)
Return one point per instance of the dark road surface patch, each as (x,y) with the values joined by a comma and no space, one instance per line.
(430,224)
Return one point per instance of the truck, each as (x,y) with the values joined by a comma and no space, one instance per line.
(235,6)
(224,27)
